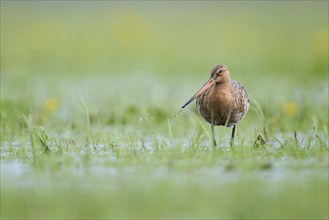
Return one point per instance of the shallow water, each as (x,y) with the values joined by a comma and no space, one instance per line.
(156,158)
(22,173)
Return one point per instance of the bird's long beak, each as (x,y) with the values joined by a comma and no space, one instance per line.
(206,86)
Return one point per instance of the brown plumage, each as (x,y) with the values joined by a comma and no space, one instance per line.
(221,101)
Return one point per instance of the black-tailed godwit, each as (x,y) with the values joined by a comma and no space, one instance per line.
(221,100)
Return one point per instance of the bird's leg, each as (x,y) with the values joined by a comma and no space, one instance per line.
(212,130)
(213,136)
(232,136)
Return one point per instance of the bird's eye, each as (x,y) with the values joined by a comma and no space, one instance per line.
(220,71)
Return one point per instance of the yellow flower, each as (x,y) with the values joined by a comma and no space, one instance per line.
(289,108)
(51,104)
(321,42)
(130,29)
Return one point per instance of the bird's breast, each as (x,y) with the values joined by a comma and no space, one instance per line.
(220,106)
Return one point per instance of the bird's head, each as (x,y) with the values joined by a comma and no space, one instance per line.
(218,75)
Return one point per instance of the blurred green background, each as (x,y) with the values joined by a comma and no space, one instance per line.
(134,51)
(111,74)
(164,37)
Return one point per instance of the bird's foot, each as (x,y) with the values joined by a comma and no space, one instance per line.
(214,144)
(232,143)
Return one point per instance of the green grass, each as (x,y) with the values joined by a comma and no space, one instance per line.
(89,92)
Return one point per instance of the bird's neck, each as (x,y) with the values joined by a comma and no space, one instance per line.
(224,83)
(224,87)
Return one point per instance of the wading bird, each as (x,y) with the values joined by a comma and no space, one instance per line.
(221,100)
